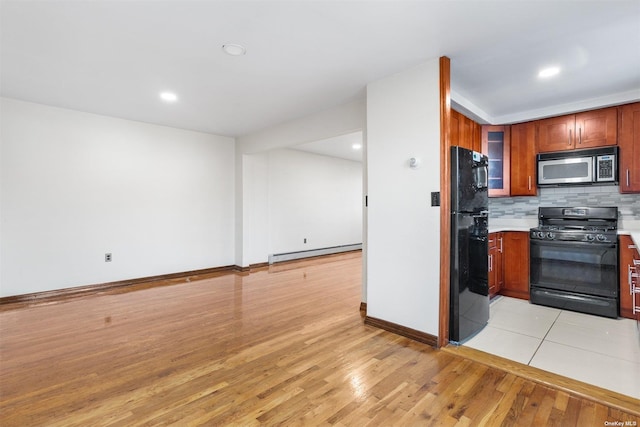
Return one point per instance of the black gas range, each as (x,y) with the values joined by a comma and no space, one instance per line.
(574,259)
(588,225)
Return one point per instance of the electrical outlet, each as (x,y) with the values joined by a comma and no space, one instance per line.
(305,240)
(107,257)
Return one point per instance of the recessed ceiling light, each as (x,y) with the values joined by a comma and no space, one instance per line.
(234,49)
(168,96)
(548,72)
(356,146)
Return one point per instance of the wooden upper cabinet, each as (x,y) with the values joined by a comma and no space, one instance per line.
(523,159)
(465,132)
(496,144)
(629,143)
(556,133)
(595,128)
(454,131)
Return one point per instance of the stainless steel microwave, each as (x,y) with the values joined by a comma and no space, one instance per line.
(578,167)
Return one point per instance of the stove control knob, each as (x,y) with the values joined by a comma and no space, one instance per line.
(601,238)
(550,235)
(540,235)
(589,237)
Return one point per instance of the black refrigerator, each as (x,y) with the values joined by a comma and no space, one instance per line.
(469,296)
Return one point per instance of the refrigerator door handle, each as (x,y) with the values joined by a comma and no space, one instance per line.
(481,176)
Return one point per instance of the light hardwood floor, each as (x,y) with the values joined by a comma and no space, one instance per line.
(284,345)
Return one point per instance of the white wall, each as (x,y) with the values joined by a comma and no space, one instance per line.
(314,197)
(250,242)
(77,185)
(256,210)
(293,195)
(403,121)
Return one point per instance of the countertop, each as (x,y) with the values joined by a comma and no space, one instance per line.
(512,224)
(635,236)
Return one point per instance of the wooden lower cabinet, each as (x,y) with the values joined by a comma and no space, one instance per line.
(495,263)
(629,277)
(515,264)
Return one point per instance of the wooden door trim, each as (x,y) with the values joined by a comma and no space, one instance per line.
(445,203)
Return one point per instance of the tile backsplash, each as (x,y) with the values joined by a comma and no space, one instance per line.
(527,207)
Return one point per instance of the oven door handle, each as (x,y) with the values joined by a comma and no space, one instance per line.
(565,243)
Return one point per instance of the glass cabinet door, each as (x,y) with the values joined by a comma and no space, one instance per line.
(496,145)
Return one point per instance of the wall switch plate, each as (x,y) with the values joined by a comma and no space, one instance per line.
(435,198)
(107,257)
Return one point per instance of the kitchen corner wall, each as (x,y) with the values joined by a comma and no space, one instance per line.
(403,229)
(527,207)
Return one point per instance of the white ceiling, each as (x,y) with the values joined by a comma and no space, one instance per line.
(341,146)
(114,57)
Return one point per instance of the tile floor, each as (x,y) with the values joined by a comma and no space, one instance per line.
(596,350)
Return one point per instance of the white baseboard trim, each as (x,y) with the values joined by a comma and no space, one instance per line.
(274,258)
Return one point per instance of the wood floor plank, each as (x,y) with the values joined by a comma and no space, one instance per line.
(532,405)
(574,387)
(284,345)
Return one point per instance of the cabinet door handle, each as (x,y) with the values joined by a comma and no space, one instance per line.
(630,279)
(635,306)
(529,182)
(500,250)
(627,177)
(569,137)
(579,135)
(491,265)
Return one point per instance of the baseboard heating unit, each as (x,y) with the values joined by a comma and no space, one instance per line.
(313,252)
